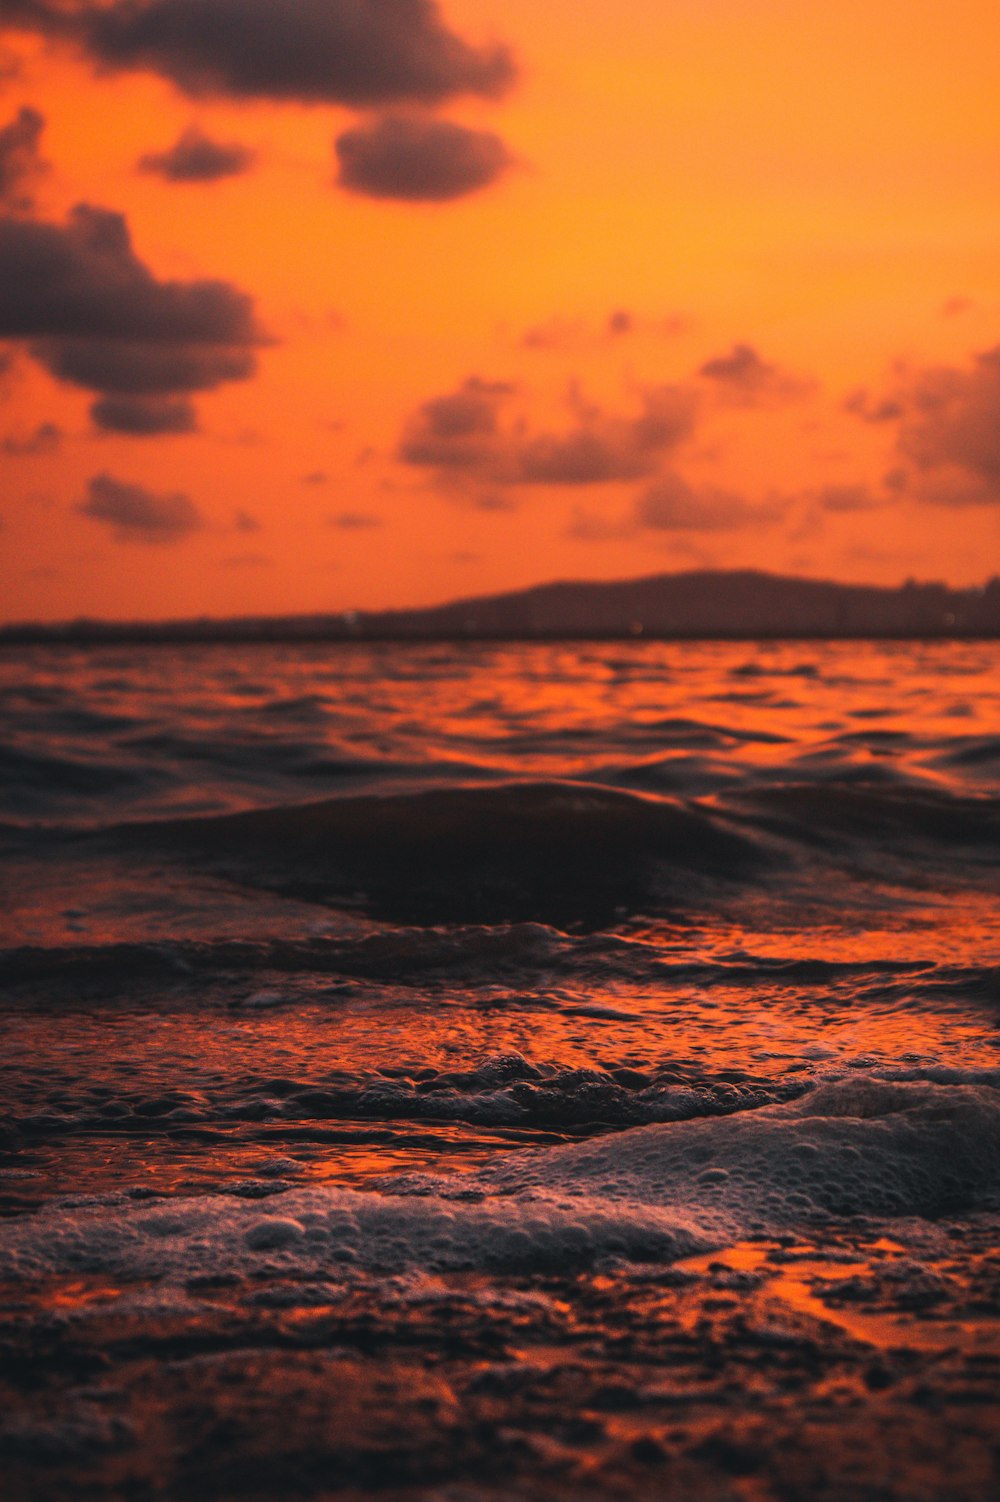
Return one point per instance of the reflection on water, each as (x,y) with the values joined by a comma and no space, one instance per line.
(628,1012)
(145,731)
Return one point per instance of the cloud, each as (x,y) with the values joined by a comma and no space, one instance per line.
(20,159)
(144,416)
(672,505)
(44,440)
(353,52)
(860,404)
(459,430)
(419,160)
(461,436)
(675,506)
(576,335)
(353,521)
(196,158)
(136,514)
(92,313)
(947,440)
(744,377)
(245,521)
(951,423)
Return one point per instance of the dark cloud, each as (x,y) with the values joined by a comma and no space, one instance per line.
(144,416)
(459,430)
(460,434)
(354,52)
(145,367)
(745,377)
(950,431)
(83,279)
(136,514)
(245,521)
(94,315)
(602,448)
(419,160)
(947,442)
(315,477)
(21,161)
(354,521)
(672,505)
(44,440)
(196,158)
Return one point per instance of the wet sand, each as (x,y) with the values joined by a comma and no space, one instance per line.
(856,1369)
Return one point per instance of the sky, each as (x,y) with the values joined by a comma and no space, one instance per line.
(314,305)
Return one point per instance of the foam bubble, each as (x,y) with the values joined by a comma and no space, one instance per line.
(855,1147)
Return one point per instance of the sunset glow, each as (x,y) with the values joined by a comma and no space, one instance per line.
(598,293)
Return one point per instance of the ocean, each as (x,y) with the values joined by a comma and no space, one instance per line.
(491,1072)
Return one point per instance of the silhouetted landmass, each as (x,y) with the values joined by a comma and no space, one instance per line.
(705,603)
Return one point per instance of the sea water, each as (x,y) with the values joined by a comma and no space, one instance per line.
(328,969)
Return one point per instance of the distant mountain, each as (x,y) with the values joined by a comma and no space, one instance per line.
(731,604)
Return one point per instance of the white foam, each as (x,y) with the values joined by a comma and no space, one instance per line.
(858,1146)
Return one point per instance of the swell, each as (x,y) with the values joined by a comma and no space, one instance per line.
(572,854)
(902,818)
(565,853)
(476,954)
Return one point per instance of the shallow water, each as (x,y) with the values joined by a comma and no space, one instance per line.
(340,966)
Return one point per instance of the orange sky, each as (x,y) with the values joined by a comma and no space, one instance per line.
(696,282)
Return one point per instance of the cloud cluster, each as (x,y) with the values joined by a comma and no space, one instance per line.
(674,506)
(366,54)
(355,52)
(947,440)
(575,335)
(462,438)
(744,377)
(81,301)
(419,159)
(196,158)
(136,514)
(950,431)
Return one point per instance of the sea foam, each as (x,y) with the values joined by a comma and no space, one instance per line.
(859,1147)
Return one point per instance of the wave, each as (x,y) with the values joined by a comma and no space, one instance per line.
(479,953)
(565,853)
(575,855)
(872,815)
(856,1148)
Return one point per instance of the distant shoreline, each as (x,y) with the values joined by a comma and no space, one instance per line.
(174,637)
(699,605)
